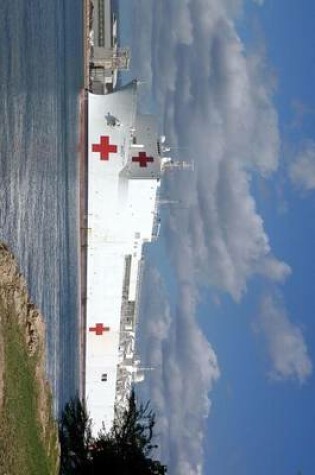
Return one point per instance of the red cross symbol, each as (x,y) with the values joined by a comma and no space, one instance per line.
(99,329)
(142,159)
(104,148)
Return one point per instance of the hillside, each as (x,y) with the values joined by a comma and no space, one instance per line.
(28,436)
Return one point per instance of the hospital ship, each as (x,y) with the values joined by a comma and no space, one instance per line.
(125,163)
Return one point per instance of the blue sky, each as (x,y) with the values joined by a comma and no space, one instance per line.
(229,299)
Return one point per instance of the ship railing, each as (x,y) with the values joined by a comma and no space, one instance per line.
(139,287)
(156,219)
(156,228)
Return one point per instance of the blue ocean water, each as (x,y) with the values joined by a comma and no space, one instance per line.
(40,80)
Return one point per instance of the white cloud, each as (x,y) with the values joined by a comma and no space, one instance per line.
(186,369)
(285,341)
(302,170)
(275,270)
(216,101)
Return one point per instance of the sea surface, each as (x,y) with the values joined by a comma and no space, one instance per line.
(40,80)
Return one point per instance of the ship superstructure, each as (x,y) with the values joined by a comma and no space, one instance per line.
(124,169)
(106,57)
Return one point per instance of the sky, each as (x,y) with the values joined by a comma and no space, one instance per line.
(227,308)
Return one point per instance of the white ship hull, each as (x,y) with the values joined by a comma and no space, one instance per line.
(124,169)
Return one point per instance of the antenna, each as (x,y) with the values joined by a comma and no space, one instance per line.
(168,202)
(168,163)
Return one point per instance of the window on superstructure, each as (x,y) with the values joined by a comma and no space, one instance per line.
(104,377)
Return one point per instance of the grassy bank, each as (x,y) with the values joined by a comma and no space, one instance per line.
(23,449)
(28,436)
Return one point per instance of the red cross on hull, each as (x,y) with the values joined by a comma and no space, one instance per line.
(142,159)
(99,329)
(104,147)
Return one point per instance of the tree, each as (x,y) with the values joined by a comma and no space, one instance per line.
(125,450)
(75,438)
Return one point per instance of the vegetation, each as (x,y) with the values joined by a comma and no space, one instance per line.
(125,450)
(25,448)
(75,439)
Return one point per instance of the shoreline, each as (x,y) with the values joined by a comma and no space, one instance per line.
(83,194)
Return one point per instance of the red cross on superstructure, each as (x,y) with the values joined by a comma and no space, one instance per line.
(99,329)
(142,159)
(104,148)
